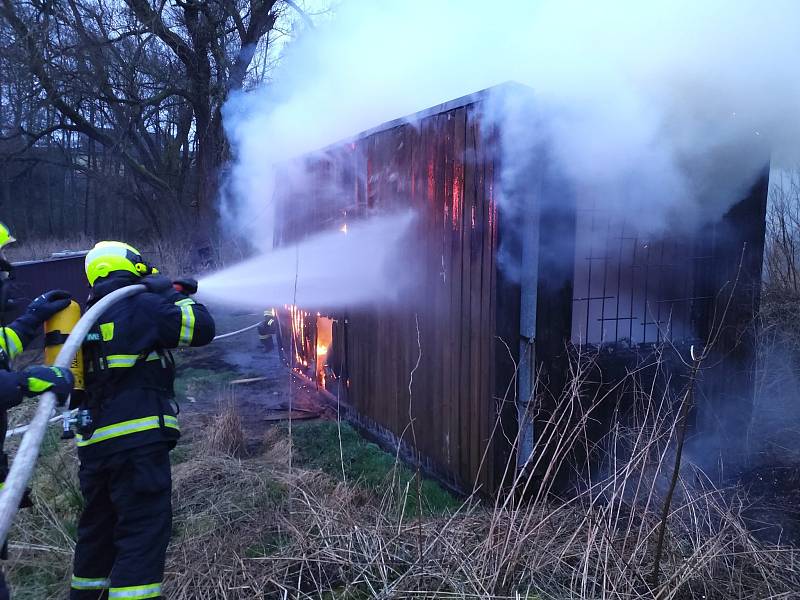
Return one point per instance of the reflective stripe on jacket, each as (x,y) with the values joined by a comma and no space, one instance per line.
(16,337)
(116,430)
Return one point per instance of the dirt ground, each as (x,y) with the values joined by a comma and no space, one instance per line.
(239,370)
(774,493)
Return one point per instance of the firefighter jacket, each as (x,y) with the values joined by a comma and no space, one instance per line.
(13,340)
(129,370)
(16,337)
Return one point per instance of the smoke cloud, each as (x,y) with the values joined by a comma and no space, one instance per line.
(665,109)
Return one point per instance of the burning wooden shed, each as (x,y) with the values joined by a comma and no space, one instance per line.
(505,298)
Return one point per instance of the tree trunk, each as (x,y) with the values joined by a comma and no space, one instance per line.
(210,154)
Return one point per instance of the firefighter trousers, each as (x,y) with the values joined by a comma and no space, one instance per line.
(125,526)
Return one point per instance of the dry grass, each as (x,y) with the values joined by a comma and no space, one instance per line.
(265,532)
(262,526)
(39,249)
(224,435)
(42,541)
(258,528)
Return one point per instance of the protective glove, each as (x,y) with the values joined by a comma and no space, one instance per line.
(157,284)
(187,286)
(48,304)
(39,379)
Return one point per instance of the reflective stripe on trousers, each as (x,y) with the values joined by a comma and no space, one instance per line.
(90,583)
(116,430)
(136,592)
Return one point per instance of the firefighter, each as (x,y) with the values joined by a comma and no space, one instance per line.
(268,330)
(33,380)
(128,425)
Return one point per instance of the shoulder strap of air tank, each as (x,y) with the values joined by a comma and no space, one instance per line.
(95,360)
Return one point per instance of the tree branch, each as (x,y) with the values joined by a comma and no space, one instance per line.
(303,15)
(36,64)
(262,20)
(154,22)
(237,18)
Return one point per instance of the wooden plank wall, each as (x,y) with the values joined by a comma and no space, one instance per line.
(443,168)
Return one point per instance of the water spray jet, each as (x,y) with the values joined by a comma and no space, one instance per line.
(332,269)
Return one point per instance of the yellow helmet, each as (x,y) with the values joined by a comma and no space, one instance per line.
(110,257)
(5,236)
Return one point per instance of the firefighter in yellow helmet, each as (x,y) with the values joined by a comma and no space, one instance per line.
(13,339)
(132,425)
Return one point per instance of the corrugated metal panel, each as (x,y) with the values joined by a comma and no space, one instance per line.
(444,167)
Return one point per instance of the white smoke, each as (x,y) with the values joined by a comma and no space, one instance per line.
(665,108)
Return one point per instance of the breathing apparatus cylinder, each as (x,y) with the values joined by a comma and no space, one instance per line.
(56,331)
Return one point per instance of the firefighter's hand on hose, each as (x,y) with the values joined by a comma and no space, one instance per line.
(48,304)
(39,379)
(157,284)
(187,286)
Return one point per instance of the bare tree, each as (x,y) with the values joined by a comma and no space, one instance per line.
(137,86)
(783,235)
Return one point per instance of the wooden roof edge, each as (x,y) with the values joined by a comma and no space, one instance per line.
(473,98)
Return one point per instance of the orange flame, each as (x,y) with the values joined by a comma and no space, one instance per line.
(458,200)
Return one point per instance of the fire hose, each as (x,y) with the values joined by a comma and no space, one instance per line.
(23,428)
(237,332)
(25,459)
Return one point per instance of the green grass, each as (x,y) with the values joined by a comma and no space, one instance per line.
(35,583)
(55,478)
(52,442)
(181,453)
(317,447)
(202,383)
(272,543)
